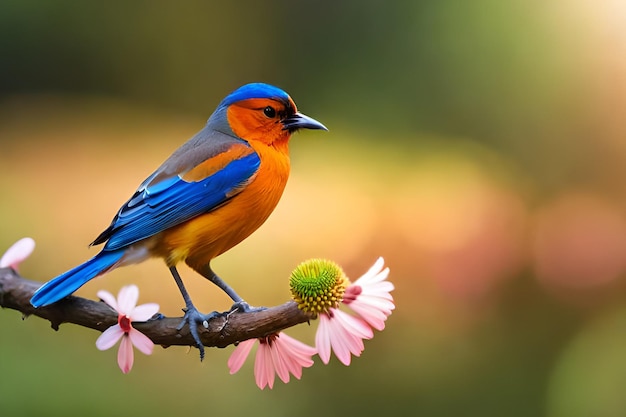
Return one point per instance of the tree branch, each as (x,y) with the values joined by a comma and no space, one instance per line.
(15,293)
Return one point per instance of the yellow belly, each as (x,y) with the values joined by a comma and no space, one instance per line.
(205,237)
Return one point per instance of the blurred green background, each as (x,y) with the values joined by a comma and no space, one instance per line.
(480,147)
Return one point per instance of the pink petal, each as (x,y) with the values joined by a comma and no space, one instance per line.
(375,318)
(264,367)
(382,302)
(294,354)
(108,298)
(109,337)
(17,253)
(291,364)
(374,309)
(125,355)
(353,325)
(374,279)
(269,366)
(343,343)
(127,299)
(378,289)
(144,312)
(259,368)
(141,341)
(322,338)
(371,296)
(240,354)
(374,274)
(296,348)
(343,333)
(280,365)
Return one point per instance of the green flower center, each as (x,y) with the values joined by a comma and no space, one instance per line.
(317,285)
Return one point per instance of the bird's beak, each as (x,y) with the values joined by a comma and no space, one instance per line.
(301,121)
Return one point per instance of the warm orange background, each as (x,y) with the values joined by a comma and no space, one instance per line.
(479,148)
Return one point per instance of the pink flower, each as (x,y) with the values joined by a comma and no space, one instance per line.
(369,296)
(17,253)
(128,312)
(320,287)
(342,333)
(277,354)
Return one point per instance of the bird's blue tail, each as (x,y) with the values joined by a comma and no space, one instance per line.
(68,282)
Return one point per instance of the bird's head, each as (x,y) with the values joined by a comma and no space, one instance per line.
(260,112)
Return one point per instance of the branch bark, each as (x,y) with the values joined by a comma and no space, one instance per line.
(16,291)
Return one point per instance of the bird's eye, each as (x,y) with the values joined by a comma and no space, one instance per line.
(269,112)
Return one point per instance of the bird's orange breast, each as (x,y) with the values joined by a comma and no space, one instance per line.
(205,237)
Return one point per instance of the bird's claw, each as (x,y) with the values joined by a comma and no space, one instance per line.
(243,307)
(193,318)
(240,307)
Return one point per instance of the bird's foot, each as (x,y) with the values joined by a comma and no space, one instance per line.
(243,307)
(193,318)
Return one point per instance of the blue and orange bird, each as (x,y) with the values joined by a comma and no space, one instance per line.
(209,195)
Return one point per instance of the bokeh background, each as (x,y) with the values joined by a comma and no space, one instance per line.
(480,147)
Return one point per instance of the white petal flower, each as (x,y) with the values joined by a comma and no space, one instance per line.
(128,312)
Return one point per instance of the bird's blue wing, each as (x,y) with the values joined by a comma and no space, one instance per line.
(166,200)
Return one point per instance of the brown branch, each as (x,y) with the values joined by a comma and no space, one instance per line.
(15,293)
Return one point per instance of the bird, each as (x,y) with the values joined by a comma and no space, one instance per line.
(208,196)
